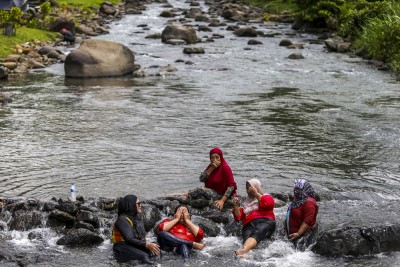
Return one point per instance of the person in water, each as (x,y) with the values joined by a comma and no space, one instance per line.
(218,176)
(129,235)
(257,216)
(301,216)
(180,234)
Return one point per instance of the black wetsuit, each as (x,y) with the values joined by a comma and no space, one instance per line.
(133,246)
(69,37)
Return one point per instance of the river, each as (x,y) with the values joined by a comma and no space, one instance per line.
(330,118)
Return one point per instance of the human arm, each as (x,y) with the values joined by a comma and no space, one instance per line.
(309,219)
(167,225)
(220,203)
(126,230)
(303,228)
(236,207)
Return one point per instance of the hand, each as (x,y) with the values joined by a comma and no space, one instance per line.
(236,202)
(178,214)
(294,236)
(252,192)
(216,163)
(186,216)
(219,204)
(154,248)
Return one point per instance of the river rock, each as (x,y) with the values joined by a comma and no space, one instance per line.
(204,28)
(108,9)
(61,216)
(62,23)
(151,214)
(4,100)
(80,237)
(99,58)
(176,42)
(246,31)
(167,14)
(88,217)
(3,72)
(84,225)
(179,32)
(25,220)
(285,42)
(254,42)
(359,241)
(210,228)
(193,50)
(296,56)
(337,44)
(67,206)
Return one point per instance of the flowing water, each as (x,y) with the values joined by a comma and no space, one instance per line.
(330,118)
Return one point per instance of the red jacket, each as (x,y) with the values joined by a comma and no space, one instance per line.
(182,231)
(307,213)
(265,210)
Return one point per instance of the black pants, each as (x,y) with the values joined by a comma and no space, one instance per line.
(169,242)
(259,229)
(124,252)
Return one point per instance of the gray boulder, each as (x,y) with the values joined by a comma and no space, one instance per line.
(99,58)
(179,32)
(246,31)
(80,237)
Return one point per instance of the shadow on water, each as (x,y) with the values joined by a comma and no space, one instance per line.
(105,82)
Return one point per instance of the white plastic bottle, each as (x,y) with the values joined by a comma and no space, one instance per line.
(73,192)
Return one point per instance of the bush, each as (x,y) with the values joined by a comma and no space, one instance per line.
(319,12)
(381,37)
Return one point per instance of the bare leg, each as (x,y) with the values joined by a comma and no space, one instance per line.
(248,244)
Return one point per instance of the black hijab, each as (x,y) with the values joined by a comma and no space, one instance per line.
(127,206)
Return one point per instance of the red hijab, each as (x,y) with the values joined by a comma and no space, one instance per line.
(221,178)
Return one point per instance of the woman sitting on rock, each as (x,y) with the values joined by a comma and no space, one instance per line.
(256,214)
(180,234)
(301,216)
(218,177)
(129,235)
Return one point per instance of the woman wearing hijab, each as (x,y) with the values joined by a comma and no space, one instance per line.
(302,212)
(180,234)
(256,214)
(218,177)
(129,235)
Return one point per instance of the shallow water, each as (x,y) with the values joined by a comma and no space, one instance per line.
(330,118)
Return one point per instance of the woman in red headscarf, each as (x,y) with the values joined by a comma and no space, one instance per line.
(218,177)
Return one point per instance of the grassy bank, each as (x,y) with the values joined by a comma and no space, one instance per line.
(24,35)
(274,6)
(86,3)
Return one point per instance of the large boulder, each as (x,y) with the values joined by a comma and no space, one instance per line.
(359,241)
(80,237)
(99,58)
(179,32)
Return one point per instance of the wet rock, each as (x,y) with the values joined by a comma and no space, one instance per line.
(285,42)
(359,241)
(3,98)
(167,14)
(88,217)
(10,65)
(152,215)
(179,32)
(246,31)
(80,237)
(214,23)
(153,36)
(217,216)
(204,28)
(25,220)
(296,46)
(254,42)
(93,59)
(35,235)
(3,75)
(49,206)
(194,12)
(68,207)
(337,44)
(108,9)
(296,56)
(193,50)
(200,203)
(61,216)
(83,29)
(279,203)
(84,225)
(210,228)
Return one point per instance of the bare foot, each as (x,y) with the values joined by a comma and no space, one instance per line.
(198,246)
(241,252)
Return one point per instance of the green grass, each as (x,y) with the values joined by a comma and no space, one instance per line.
(23,35)
(86,3)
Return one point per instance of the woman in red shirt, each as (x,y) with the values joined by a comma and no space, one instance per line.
(218,177)
(256,214)
(302,212)
(180,233)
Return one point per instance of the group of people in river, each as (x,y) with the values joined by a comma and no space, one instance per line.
(181,235)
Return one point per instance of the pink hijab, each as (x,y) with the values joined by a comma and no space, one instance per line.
(251,204)
(222,177)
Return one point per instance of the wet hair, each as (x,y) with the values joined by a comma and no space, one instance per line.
(127,205)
